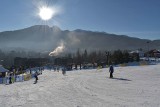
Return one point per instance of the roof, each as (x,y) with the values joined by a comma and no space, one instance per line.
(137,51)
(2,69)
(156,51)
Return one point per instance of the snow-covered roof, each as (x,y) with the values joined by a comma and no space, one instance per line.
(2,69)
(136,51)
(156,51)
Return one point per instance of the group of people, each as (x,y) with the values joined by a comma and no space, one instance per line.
(111,70)
(36,74)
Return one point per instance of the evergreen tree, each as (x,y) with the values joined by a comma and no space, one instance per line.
(126,56)
(85,56)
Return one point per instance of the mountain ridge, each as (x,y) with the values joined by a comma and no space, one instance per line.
(46,38)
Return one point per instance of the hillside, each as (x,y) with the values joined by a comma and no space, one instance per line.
(45,38)
(136,86)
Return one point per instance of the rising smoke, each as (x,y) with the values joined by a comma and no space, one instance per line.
(60,49)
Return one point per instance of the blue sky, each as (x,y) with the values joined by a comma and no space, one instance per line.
(136,18)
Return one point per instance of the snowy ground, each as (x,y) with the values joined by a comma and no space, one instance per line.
(137,86)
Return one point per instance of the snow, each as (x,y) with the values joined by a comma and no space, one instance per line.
(133,86)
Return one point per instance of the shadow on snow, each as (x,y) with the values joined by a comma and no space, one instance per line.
(121,79)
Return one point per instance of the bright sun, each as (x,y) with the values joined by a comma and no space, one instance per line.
(46,13)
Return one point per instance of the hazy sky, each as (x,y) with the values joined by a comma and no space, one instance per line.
(136,18)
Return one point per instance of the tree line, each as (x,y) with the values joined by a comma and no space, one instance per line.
(79,57)
(101,58)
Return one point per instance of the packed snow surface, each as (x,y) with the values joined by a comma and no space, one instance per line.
(136,86)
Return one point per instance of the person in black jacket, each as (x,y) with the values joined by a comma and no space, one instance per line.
(10,79)
(36,77)
(111,70)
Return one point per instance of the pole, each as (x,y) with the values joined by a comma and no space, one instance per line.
(148,49)
(107,54)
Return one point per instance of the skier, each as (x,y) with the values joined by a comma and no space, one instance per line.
(10,79)
(36,77)
(64,70)
(111,70)
(57,68)
(54,68)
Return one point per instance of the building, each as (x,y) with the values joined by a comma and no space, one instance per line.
(30,62)
(154,53)
(140,53)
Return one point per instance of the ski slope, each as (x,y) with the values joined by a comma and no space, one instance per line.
(136,86)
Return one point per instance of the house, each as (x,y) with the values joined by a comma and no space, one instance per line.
(154,53)
(140,53)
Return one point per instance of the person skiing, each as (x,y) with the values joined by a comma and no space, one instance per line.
(36,77)
(111,70)
(64,70)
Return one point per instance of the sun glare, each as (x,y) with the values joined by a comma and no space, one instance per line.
(46,13)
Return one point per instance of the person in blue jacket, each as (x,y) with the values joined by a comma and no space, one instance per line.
(111,70)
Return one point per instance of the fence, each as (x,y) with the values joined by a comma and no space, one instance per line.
(22,77)
(16,78)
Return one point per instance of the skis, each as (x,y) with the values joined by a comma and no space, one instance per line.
(35,82)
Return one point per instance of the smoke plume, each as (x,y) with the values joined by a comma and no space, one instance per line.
(58,50)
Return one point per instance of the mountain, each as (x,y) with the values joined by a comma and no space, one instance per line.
(45,38)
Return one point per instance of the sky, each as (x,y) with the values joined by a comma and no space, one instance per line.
(135,18)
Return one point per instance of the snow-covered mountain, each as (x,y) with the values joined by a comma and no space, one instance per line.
(45,38)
